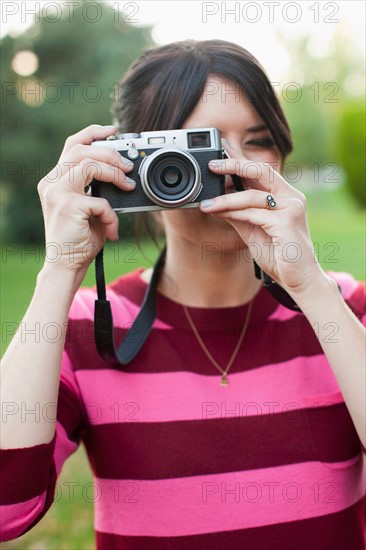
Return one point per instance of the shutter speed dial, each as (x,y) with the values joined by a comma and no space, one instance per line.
(132,152)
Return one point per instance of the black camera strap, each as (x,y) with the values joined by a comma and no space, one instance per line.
(103,320)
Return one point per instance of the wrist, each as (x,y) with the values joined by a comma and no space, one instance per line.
(62,280)
(321,289)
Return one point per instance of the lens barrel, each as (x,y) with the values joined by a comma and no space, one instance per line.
(170,177)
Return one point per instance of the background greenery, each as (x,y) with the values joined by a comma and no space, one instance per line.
(328,128)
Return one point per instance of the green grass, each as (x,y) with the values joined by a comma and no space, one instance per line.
(336,222)
(333,218)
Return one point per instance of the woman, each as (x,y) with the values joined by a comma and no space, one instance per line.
(240,422)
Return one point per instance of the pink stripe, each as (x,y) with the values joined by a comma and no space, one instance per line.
(283,314)
(63,447)
(83,305)
(237,500)
(15,518)
(116,396)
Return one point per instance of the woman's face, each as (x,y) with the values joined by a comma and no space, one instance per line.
(239,124)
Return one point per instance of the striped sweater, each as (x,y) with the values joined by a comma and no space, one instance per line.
(180,462)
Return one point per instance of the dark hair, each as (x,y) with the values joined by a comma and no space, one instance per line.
(163,86)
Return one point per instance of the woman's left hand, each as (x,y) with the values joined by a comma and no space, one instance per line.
(278,238)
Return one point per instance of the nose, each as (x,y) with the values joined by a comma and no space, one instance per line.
(232,147)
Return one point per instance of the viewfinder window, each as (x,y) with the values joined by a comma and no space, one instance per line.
(199,139)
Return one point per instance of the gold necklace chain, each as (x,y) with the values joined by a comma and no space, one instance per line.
(224,372)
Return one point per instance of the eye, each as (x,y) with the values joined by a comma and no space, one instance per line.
(266,143)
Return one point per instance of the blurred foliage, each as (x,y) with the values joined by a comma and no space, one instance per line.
(80,64)
(326,112)
(352,146)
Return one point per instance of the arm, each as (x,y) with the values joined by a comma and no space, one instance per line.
(30,370)
(37,375)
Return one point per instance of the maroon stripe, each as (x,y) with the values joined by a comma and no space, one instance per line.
(26,472)
(166,350)
(343,530)
(203,447)
(50,496)
(69,413)
(333,433)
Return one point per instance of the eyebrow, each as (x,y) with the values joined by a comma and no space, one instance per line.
(257,128)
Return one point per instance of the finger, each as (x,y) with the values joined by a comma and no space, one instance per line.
(101,209)
(260,172)
(104,154)
(83,173)
(255,216)
(87,136)
(243,199)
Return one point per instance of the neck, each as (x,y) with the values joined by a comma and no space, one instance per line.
(206,275)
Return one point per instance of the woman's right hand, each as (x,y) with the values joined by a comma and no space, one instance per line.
(77,224)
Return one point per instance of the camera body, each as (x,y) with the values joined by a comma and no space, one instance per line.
(170,169)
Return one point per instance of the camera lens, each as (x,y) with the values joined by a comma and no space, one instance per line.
(171,177)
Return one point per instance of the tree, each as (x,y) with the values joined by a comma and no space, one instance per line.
(82,56)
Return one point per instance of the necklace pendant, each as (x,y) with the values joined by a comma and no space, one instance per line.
(224,380)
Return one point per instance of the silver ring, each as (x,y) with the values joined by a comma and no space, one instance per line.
(271,203)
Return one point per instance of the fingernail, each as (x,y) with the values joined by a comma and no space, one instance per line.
(216,163)
(127,163)
(206,203)
(131,182)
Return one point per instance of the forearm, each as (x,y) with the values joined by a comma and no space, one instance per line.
(342,337)
(30,369)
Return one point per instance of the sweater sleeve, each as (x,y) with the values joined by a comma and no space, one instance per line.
(28,475)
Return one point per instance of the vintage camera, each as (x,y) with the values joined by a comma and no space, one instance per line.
(171,169)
